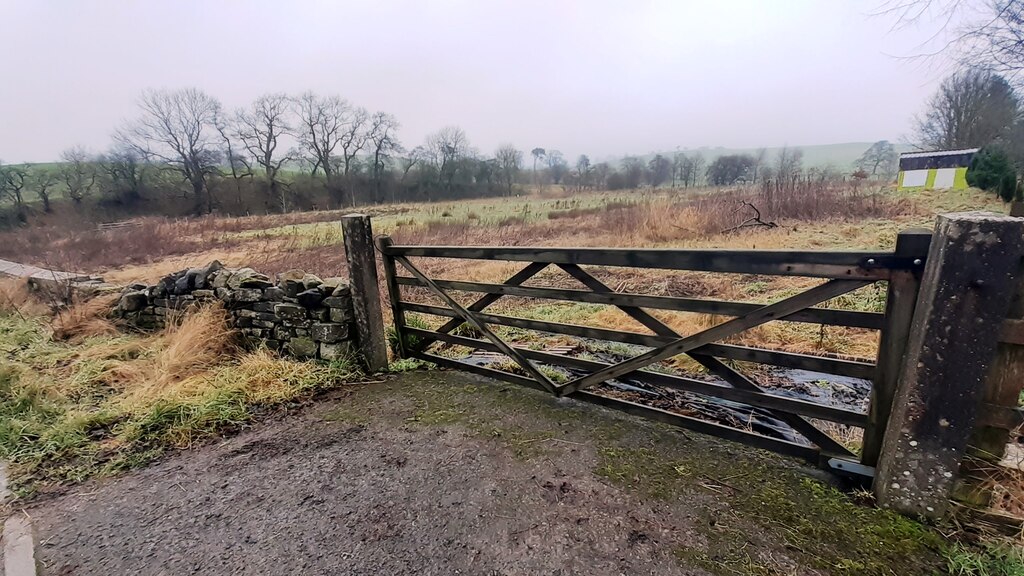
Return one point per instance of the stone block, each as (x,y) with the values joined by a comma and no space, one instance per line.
(203,294)
(162,302)
(263,324)
(341,315)
(245,313)
(264,306)
(328,332)
(310,298)
(310,281)
(133,301)
(181,285)
(248,294)
(292,312)
(291,288)
(273,294)
(337,302)
(335,351)
(321,314)
(300,331)
(302,347)
(248,278)
(243,322)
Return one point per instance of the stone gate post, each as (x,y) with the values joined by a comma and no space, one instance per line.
(968,282)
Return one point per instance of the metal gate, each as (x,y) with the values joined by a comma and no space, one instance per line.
(842,273)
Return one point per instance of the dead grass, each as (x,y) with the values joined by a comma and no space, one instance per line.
(99,401)
(190,345)
(17,298)
(85,318)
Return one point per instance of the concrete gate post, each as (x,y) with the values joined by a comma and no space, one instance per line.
(968,283)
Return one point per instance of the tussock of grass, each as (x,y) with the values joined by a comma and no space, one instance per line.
(84,319)
(104,401)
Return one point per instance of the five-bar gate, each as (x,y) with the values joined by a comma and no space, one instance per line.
(841,273)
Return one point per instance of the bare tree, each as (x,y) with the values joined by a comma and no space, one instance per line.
(260,128)
(557,166)
(509,161)
(971,108)
(13,180)
(416,156)
(43,181)
(322,121)
(382,136)
(238,164)
(697,164)
(632,171)
(583,170)
(989,35)
(538,154)
(660,169)
(760,157)
(177,128)
(879,160)
(446,148)
(788,165)
(601,172)
(78,173)
(123,168)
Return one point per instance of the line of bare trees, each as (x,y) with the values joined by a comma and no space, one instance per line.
(185,153)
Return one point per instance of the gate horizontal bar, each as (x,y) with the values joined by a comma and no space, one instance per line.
(848,318)
(849,265)
(756,399)
(807,453)
(835,366)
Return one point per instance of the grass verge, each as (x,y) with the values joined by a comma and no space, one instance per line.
(99,401)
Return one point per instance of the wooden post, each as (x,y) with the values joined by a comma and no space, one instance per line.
(362,271)
(1003,386)
(968,283)
(900,301)
(394,295)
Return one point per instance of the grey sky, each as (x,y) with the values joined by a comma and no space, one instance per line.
(602,78)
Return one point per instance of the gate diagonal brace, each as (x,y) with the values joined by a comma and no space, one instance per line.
(714,365)
(486,300)
(779,309)
(472,320)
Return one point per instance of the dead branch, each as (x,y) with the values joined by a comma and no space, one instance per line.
(752,222)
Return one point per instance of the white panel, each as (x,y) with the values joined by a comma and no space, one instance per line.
(914,178)
(944,177)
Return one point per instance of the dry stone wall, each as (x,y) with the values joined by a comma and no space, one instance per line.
(299,314)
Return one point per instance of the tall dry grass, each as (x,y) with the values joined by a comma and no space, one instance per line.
(17,298)
(85,318)
(190,345)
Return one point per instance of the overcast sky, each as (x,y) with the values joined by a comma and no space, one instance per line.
(603,78)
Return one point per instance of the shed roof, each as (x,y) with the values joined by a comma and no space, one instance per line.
(934,153)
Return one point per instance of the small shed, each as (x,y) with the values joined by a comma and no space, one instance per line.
(935,169)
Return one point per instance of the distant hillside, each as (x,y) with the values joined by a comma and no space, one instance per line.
(840,156)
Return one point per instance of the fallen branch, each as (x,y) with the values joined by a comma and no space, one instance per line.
(751,222)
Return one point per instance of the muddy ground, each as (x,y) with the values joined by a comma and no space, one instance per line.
(447,473)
